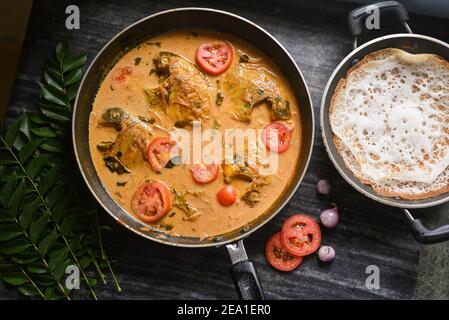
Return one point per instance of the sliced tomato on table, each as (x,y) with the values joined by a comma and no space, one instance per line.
(158,152)
(214,57)
(300,235)
(151,201)
(122,74)
(278,257)
(204,173)
(277,136)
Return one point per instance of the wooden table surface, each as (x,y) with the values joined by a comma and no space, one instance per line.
(368,234)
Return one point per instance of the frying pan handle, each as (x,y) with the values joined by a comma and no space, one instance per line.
(358,16)
(244,274)
(424,235)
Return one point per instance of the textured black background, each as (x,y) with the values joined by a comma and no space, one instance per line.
(316,35)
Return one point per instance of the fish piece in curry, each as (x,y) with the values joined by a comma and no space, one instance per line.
(248,172)
(250,85)
(184,91)
(129,148)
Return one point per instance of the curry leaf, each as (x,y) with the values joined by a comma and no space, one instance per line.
(58,127)
(19,142)
(38,227)
(51,80)
(73,77)
(52,145)
(29,149)
(49,180)
(55,194)
(71,92)
(50,294)
(24,125)
(61,268)
(52,67)
(28,290)
(61,208)
(36,267)
(44,132)
(15,279)
(46,279)
(37,164)
(11,134)
(74,63)
(61,50)
(35,118)
(57,258)
(85,261)
(7,190)
(16,197)
(6,158)
(6,267)
(51,95)
(67,224)
(27,215)
(9,235)
(47,242)
(54,115)
(54,112)
(14,246)
(25,257)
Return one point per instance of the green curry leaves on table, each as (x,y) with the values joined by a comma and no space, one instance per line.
(48,220)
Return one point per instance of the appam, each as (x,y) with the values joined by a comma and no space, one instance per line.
(390,122)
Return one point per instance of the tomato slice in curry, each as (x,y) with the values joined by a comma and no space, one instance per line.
(277,137)
(158,152)
(204,173)
(151,201)
(214,57)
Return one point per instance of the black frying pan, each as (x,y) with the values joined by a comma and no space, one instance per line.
(242,270)
(413,43)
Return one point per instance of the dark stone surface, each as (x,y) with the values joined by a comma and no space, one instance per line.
(369,233)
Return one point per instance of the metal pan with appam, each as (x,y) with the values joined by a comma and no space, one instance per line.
(385,119)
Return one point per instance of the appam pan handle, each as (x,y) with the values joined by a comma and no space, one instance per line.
(424,235)
(357,17)
(243,273)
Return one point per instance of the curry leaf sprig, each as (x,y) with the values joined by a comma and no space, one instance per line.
(48,220)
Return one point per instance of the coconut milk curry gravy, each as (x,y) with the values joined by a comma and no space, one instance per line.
(176,81)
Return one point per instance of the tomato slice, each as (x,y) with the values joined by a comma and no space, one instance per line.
(158,152)
(283,133)
(122,74)
(214,57)
(204,173)
(278,257)
(227,196)
(300,235)
(151,201)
